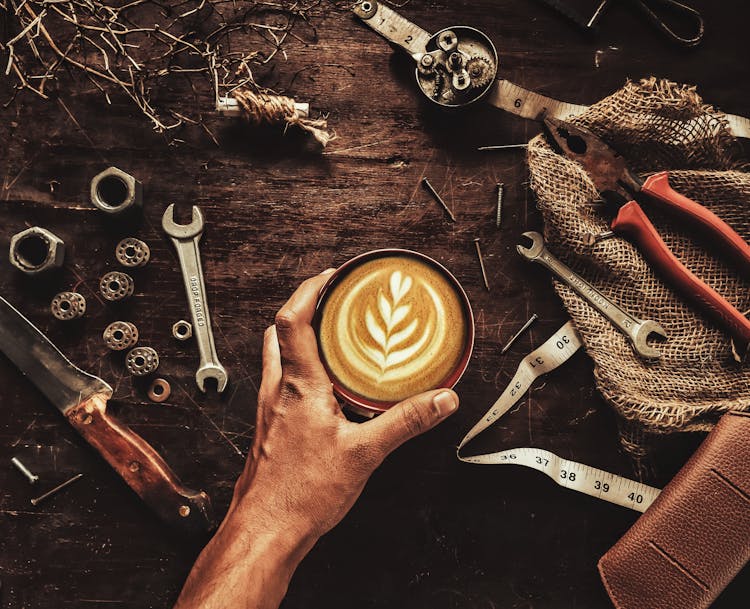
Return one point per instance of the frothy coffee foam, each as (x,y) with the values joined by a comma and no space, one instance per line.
(392,327)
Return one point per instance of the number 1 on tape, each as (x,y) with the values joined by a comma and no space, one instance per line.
(558,349)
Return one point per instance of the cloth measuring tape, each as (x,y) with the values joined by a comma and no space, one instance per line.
(557,350)
(502,94)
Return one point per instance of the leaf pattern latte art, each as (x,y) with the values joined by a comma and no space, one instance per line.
(389,326)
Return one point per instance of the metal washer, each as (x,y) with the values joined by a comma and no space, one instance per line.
(68,305)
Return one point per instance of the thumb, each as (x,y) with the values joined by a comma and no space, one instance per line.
(411,418)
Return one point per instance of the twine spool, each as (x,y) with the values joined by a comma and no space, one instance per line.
(264,109)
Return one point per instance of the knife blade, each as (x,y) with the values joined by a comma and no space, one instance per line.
(82,398)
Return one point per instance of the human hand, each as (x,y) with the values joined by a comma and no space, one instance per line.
(307,466)
(308,463)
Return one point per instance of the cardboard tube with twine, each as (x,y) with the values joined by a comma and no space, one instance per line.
(264,109)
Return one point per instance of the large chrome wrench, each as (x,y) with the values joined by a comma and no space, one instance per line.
(185,238)
(635,329)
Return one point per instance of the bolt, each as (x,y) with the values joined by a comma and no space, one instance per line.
(427,61)
(591,238)
(32,478)
(433,192)
(57,489)
(481,263)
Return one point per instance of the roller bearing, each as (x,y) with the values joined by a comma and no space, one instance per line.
(68,305)
(116,286)
(120,335)
(132,253)
(141,361)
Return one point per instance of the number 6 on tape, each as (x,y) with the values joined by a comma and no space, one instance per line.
(558,349)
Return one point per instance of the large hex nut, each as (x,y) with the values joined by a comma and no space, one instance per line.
(114,191)
(35,250)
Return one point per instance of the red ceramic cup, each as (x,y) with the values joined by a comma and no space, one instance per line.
(369,407)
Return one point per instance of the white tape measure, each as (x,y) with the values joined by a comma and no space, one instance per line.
(502,94)
(558,349)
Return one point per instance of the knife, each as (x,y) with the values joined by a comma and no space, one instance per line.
(82,399)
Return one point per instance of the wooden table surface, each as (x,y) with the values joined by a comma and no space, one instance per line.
(428,531)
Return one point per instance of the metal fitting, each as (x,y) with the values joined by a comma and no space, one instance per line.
(35,250)
(114,191)
(182,330)
(68,305)
(120,335)
(141,361)
(132,252)
(159,391)
(116,286)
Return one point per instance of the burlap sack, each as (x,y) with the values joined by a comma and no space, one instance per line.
(656,125)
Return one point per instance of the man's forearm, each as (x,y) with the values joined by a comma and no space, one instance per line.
(248,564)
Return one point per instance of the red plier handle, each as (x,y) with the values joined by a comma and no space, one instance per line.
(632,223)
(657,187)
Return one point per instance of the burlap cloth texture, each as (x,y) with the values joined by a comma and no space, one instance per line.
(656,125)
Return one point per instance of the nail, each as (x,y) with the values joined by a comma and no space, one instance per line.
(57,489)
(503,147)
(523,329)
(445,402)
(481,263)
(438,198)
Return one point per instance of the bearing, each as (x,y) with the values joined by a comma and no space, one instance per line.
(68,305)
(120,335)
(132,252)
(116,286)
(141,361)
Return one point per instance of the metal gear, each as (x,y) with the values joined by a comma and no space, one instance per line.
(480,71)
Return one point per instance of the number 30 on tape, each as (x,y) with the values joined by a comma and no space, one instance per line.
(558,349)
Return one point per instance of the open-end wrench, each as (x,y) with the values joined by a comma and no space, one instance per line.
(185,238)
(635,329)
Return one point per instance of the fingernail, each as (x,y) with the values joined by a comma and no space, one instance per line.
(445,402)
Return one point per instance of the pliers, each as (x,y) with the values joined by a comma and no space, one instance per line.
(623,189)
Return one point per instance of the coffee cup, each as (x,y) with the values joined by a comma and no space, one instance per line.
(390,324)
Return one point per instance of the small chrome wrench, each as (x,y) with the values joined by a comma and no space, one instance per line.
(185,238)
(635,329)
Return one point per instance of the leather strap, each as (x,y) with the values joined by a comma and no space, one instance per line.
(695,537)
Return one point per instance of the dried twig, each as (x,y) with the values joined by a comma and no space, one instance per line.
(136,46)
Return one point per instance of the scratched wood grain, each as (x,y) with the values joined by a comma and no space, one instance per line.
(428,531)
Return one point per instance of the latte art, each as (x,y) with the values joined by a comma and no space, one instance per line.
(392,327)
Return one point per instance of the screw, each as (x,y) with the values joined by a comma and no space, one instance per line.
(481,263)
(591,238)
(57,489)
(500,193)
(523,329)
(433,192)
(32,478)
(503,147)
(426,60)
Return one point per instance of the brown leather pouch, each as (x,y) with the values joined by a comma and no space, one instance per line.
(695,537)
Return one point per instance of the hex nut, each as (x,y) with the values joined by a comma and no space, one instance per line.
(120,335)
(132,252)
(114,191)
(182,330)
(35,250)
(116,286)
(68,305)
(141,361)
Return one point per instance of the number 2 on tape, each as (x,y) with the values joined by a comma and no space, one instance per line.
(558,349)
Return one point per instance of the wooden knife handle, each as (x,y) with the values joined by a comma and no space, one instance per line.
(636,227)
(144,470)
(714,228)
